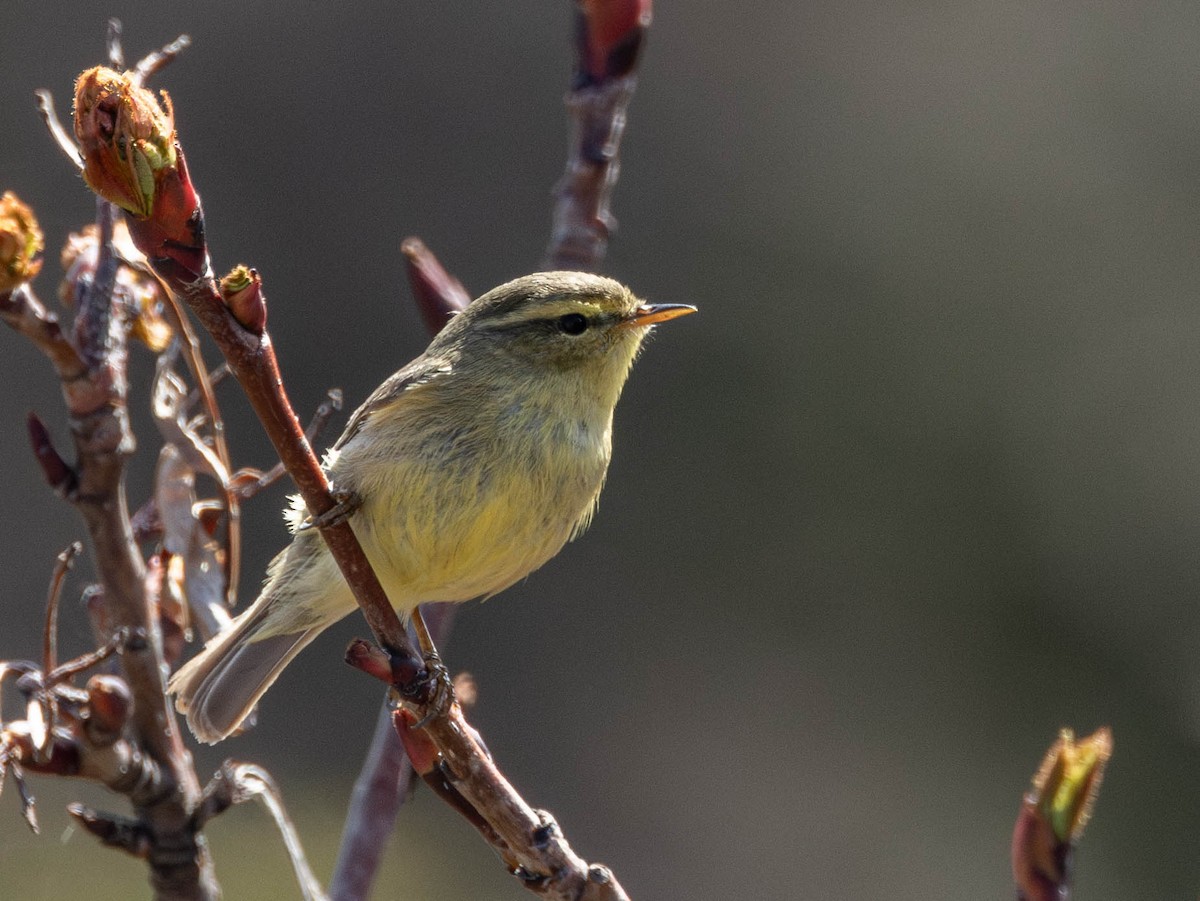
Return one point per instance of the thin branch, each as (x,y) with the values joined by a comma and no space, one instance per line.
(155,62)
(384,784)
(385,780)
(249,482)
(206,381)
(609,39)
(116,53)
(236,783)
(439,295)
(85,662)
(50,633)
(62,137)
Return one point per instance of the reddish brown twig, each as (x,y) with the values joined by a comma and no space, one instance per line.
(384,783)
(439,295)
(609,36)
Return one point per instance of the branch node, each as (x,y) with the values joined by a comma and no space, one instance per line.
(547,832)
(114,831)
(600,874)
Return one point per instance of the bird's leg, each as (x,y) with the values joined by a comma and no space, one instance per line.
(441,688)
(345,504)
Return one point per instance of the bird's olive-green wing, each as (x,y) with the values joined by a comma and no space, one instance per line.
(420,371)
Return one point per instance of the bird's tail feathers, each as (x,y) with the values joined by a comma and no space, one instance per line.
(219,687)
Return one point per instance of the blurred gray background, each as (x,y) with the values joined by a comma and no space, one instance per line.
(919,486)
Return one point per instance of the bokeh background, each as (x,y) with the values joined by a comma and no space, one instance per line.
(919,486)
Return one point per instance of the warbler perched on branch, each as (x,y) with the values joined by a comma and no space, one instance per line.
(472,466)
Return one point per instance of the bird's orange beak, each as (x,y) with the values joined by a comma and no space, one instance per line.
(653,313)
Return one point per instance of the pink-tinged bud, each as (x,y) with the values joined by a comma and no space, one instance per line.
(242,290)
(21,243)
(609,35)
(371,660)
(126,136)
(422,752)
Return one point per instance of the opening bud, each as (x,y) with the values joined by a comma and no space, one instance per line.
(21,243)
(242,290)
(1068,781)
(126,136)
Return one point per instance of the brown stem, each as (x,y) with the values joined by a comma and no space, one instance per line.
(190,346)
(236,783)
(609,36)
(387,778)
(94,390)
(385,782)
(439,295)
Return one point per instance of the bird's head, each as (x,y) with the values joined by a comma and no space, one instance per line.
(559,324)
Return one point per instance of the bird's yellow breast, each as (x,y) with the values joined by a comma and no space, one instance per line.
(459,503)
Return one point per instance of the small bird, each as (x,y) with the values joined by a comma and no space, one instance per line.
(473,465)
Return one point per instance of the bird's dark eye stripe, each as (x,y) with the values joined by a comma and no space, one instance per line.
(573,324)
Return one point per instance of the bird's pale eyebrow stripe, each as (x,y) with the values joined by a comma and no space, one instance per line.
(538,312)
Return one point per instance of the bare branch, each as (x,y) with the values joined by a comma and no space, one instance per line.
(236,783)
(116,53)
(85,662)
(66,143)
(385,780)
(50,633)
(383,785)
(206,381)
(155,62)
(249,482)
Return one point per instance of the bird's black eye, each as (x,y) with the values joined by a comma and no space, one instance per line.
(573,324)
